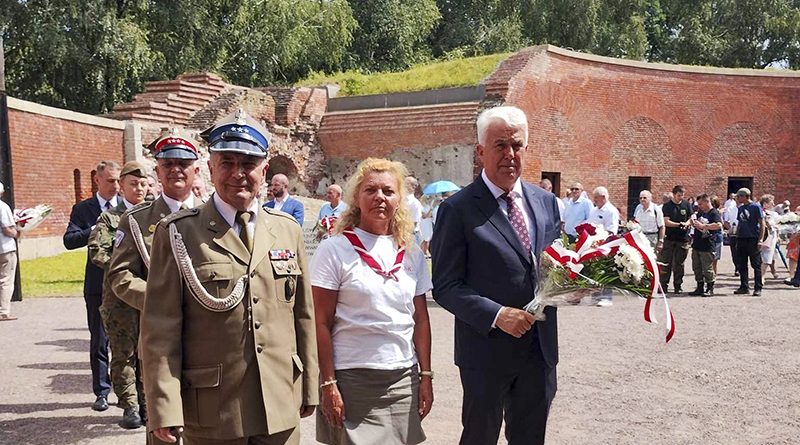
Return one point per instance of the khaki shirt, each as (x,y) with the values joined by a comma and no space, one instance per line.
(236,373)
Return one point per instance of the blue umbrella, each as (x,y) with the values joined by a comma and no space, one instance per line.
(440,187)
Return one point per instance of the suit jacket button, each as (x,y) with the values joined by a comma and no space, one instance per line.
(259,349)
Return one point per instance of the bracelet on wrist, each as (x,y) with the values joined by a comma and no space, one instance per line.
(328,383)
(426,374)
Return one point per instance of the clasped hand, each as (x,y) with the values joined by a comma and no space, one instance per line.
(514,321)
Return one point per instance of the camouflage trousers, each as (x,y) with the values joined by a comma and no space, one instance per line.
(122,327)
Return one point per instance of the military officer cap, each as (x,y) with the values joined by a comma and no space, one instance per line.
(133,168)
(238,133)
(170,145)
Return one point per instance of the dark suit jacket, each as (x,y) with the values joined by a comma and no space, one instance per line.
(292,207)
(84,215)
(479,266)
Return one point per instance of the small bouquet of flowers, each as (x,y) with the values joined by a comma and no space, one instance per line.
(630,226)
(599,264)
(27,219)
(788,225)
(325,227)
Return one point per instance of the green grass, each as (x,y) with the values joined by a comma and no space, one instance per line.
(57,276)
(451,73)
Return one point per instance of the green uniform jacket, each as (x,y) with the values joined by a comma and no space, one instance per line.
(242,372)
(127,273)
(101,247)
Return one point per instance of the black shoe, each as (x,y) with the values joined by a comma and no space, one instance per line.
(709,290)
(131,419)
(791,283)
(736,274)
(741,291)
(697,291)
(100,404)
(677,291)
(757,293)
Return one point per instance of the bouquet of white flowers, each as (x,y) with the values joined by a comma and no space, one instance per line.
(630,226)
(599,263)
(788,225)
(27,219)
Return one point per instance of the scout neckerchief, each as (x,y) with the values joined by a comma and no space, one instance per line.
(371,262)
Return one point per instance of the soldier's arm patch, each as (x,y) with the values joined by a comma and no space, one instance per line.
(118,238)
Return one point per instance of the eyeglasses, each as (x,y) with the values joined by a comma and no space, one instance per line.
(573,189)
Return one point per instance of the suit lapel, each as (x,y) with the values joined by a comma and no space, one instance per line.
(264,239)
(489,206)
(534,209)
(224,236)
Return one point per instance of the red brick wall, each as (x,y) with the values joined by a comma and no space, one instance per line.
(44,153)
(599,123)
(359,134)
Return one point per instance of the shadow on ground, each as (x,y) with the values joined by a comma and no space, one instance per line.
(71,384)
(58,366)
(27,408)
(60,430)
(74,344)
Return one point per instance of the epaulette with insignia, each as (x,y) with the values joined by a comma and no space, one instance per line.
(180,214)
(279,213)
(138,207)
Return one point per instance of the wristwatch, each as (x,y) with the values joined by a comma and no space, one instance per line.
(426,374)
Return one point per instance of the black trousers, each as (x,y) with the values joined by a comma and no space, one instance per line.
(521,396)
(732,243)
(747,249)
(98,346)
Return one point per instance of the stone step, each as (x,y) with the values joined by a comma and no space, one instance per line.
(179,85)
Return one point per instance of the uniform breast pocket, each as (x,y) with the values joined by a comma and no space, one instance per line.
(287,275)
(216,277)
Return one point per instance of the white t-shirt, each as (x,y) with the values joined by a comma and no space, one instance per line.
(7,243)
(374,323)
(415,207)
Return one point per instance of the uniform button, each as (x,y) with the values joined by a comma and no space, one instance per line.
(252,274)
(259,349)
(257,324)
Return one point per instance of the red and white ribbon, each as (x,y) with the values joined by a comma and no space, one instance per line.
(584,251)
(371,262)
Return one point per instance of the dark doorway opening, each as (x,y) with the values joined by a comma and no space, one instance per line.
(737,182)
(555,179)
(635,186)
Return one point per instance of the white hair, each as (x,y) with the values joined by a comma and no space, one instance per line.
(646,193)
(600,191)
(511,116)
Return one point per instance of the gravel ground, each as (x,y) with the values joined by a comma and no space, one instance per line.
(730,375)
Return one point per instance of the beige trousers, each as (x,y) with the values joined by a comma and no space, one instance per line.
(8,269)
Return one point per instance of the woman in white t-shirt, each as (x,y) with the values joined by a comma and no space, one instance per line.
(373,333)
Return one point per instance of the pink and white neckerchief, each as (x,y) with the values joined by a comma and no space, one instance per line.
(371,262)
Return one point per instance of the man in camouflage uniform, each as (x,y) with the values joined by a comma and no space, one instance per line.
(120,320)
(176,168)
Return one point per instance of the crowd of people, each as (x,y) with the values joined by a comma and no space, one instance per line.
(221,330)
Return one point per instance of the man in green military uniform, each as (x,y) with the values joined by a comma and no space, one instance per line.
(227,331)
(176,168)
(120,320)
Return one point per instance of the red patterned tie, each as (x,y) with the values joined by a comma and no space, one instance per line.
(517,220)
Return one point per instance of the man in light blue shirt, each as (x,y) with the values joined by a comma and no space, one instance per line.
(335,206)
(576,210)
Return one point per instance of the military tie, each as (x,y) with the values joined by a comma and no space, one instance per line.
(183,206)
(107,206)
(243,218)
(517,220)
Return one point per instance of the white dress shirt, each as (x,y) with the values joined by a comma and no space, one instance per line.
(228,213)
(175,205)
(103,202)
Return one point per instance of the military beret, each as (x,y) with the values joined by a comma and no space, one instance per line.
(237,133)
(133,168)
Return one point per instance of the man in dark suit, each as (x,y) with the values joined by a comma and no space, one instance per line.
(485,248)
(282,201)
(81,222)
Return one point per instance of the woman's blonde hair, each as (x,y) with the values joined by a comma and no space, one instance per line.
(401,226)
